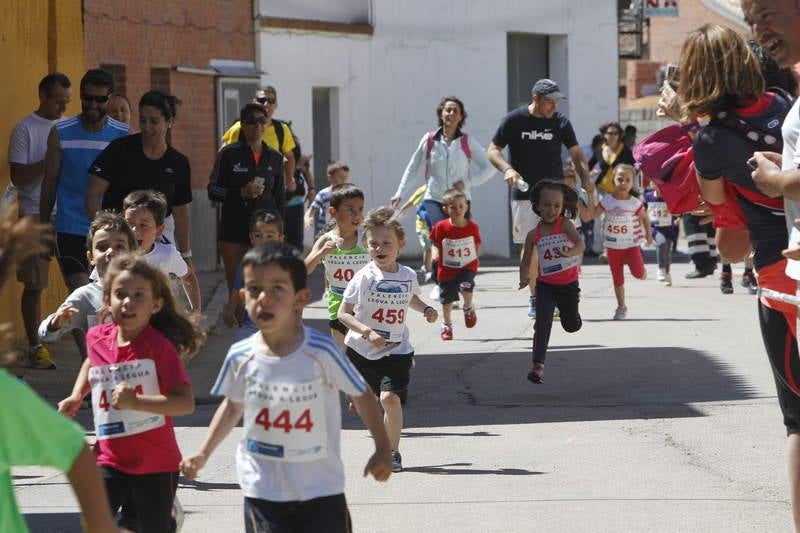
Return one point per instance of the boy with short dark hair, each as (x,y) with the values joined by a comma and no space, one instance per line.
(285,380)
(337,173)
(145,212)
(457,244)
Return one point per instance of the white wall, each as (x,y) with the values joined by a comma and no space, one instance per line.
(390,83)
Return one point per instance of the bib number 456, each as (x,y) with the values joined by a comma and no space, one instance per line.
(283,421)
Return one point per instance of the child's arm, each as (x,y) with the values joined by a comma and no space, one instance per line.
(308,219)
(192,288)
(648,231)
(225,419)
(586,211)
(525,263)
(321,248)
(346,317)
(408,204)
(572,234)
(380,464)
(231,314)
(177,402)
(416,303)
(594,210)
(90,490)
(70,405)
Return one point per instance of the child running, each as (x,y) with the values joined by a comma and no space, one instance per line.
(340,251)
(374,310)
(457,245)
(337,174)
(285,380)
(558,247)
(109,236)
(265,227)
(421,227)
(665,232)
(138,384)
(626,223)
(145,212)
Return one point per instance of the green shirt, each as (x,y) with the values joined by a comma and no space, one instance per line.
(31,433)
(340,267)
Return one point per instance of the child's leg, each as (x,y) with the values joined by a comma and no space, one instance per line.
(663,255)
(339,338)
(392,417)
(152,496)
(447,313)
(328,513)
(567,298)
(396,374)
(263,515)
(616,264)
(545,305)
(635,262)
(467,296)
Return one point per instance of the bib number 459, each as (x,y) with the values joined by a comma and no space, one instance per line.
(389,316)
(283,421)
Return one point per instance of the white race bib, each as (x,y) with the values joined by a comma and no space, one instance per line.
(385,307)
(659,214)
(340,269)
(458,253)
(110,422)
(550,262)
(285,421)
(619,230)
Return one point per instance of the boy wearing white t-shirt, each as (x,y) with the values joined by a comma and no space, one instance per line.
(145,212)
(285,380)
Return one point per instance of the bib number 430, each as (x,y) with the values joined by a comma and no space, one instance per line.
(283,421)
(389,316)
(104,402)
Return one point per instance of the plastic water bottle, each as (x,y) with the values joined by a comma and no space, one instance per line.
(522,185)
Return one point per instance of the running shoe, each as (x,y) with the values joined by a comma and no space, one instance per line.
(662,275)
(750,282)
(436,293)
(536,375)
(668,279)
(397,461)
(41,358)
(532,307)
(470,318)
(603,258)
(428,276)
(621,313)
(726,283)
(447,332)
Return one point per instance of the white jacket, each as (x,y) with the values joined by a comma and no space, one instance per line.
(448,164)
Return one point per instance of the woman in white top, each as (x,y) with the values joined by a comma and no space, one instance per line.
(446,158)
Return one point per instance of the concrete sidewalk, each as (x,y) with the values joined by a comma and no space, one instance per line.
(664,422)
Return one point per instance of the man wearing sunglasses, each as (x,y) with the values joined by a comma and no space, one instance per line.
(277,134)
(72,146)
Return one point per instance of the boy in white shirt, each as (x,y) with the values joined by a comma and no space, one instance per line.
(285,380)
(145,212)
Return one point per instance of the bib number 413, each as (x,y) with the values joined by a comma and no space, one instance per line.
(283,421)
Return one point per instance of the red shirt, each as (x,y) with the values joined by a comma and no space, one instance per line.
(153,451)
(456,245)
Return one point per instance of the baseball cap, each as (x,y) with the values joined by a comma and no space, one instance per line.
(549,89)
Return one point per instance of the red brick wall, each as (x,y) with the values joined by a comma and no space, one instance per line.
(147,34)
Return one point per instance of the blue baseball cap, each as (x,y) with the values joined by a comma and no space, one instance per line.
(549,89)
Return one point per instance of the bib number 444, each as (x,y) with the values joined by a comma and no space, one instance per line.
(283,421)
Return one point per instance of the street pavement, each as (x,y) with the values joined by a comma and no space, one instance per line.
(666,421)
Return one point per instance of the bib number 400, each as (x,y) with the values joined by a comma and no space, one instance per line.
(104,404)
(283,421)
(389,316)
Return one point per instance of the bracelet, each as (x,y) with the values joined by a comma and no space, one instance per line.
(187,254)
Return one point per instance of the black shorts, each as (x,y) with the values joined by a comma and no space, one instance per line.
(389,374)
(327,513)
(463,282)
(148,498)
(790,408)
(72,254)
(337,325)
(235,225)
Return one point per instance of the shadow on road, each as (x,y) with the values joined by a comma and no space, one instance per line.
(449,470)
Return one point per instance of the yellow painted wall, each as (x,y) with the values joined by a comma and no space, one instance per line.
(36,37)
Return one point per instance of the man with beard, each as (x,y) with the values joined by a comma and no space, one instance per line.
(776,27)
(72,146)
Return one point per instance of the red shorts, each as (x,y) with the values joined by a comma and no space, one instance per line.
(774,277)
(617,259)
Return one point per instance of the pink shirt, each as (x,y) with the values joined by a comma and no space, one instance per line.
(153,451)
(554,269)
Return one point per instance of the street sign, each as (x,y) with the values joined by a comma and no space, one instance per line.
(660,8)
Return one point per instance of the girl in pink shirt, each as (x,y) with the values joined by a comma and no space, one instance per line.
(138,383)
(559,248)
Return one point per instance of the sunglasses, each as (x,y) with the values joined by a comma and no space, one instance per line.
(92,98)
(266,100)
(252,121)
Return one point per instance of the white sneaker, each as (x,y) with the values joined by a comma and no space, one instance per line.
(668,280)
(435,293)
(620,313)
(662,275)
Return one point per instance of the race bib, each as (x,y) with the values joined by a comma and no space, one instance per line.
(458,253)
(659,214)
(110,422)
(549,249)
(384,308)
(340,269)
(285,421)
(619,230)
